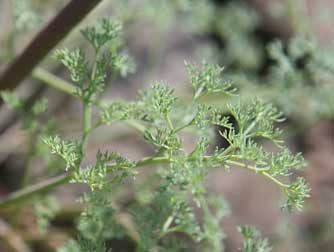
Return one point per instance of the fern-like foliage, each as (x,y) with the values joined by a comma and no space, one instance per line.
(66,149)
(90,77)
(169,210)
(166,220)
(253,241)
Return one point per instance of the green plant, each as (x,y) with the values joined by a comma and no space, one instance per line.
(165,221)
(297,68)
(252,240)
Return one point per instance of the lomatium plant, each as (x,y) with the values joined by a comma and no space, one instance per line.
(166,219)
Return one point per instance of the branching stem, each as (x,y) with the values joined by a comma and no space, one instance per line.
(53,81)
(262,171)
(169,122)
(87,117)
(67,88)
(29,192)
(47,185)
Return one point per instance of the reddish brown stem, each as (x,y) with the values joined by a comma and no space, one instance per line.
(45,41)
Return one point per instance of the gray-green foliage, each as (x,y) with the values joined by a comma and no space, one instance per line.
(90,78)
(197,15)
(24,15)
(212,231)
(236,27)
(207,80)
(68,150)
(303,73)
(169,210)
(253,241)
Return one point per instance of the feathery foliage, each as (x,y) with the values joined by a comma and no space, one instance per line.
(169,210)
(252,241)
(166,221)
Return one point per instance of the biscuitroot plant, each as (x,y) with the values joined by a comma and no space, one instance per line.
(165,220)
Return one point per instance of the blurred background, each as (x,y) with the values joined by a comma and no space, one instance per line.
(279,50)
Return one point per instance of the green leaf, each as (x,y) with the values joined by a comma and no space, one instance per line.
(296,194)
(75,62)
(207,80)
(101,34)
(252,241)
(97,176)
(68,150)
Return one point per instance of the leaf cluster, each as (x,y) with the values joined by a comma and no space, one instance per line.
(168,214)
(166,221)
(90,78)
(303,73)
(181,186)
(97,176)
(253,241)
(68,150)
(207,80)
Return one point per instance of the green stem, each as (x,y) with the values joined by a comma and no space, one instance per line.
(87,109)
(49,184)
(182,127)
(30,155)
(135,125)
(87,121)
(166,227)
(53,81)
(246,166)
(167,223)
(67,88)
(262,171)
(169,122)
(152,160)
(29,192)
(276,181)
(198,92)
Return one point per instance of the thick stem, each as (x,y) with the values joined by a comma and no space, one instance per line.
(54,81)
